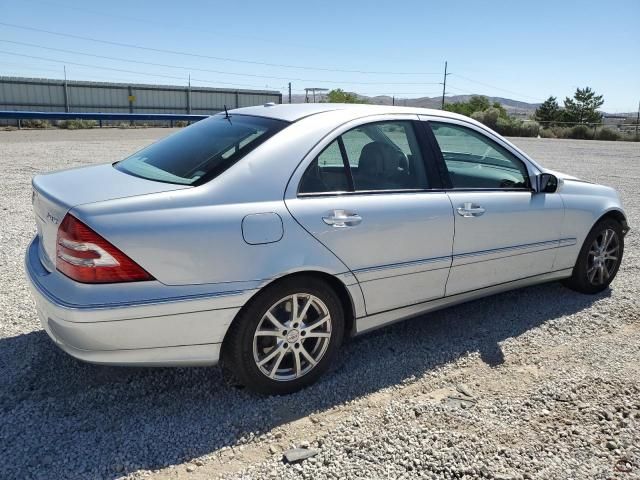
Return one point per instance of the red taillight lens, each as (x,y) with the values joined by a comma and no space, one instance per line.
(84,256)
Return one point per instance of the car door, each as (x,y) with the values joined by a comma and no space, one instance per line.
(504,230)
(368,195)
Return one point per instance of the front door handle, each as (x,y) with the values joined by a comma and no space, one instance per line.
(342,218)
(469,210)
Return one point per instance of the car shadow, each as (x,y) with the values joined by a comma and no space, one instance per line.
(79,420)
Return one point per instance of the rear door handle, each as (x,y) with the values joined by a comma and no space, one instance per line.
(469,210)
(342,218)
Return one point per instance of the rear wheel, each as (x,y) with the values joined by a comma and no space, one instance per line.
(285,338)
(599,258)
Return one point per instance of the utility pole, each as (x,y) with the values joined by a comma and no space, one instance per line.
(289,92)
(444,84)
(638,119)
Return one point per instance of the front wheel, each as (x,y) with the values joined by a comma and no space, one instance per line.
(285,338)
(599,258)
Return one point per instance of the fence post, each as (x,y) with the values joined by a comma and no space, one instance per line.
(66,95)
(130,90)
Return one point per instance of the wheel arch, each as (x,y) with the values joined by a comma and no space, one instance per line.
(617,215)
(338,286)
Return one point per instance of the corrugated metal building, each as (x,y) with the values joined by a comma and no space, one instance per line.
(49,95)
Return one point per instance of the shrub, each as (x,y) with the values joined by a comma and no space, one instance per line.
(35,123)
(529,129)
(607,134)
(181,123)
(489,117)
(517,128)
(77,124)
(547,133)
(580,132)
(632,138)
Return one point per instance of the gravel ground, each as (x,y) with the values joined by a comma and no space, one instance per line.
(536,383)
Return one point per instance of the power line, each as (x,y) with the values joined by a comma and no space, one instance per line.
(196,55)
(165,26)
(197,69)
(495,87)
(173,77)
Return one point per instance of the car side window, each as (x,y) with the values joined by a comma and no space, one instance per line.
(477,162)
(380,156)
(385,156)
(326,173)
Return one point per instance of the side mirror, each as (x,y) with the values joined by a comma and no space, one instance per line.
(547,183)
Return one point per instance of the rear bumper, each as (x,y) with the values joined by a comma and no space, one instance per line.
(185,330)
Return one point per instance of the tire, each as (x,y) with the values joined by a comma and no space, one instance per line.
(595,269)
(289,354)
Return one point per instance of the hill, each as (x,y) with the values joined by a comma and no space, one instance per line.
(514,107)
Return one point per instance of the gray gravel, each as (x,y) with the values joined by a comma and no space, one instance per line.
(536,383)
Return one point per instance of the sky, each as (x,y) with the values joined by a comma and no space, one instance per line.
(522,50)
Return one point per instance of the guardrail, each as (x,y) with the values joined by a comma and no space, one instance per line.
(19,115)
(28,115)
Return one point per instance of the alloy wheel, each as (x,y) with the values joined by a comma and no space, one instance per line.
(292,337)
(603,257)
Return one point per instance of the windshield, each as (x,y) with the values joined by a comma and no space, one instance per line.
(202,151)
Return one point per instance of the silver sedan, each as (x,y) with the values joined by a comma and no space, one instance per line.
(261,237)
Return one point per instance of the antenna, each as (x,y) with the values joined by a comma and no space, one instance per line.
(226,113)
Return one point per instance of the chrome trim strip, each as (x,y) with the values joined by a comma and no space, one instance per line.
(538,246)
(506,249)
(567,242)
(381,319)
(34,274)
(423,261)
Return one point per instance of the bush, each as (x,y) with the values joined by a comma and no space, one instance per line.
(489,117)
(181,123)
(631,138)
(580,132)
(607,134)
(35,123)
(517,128)
(77,124)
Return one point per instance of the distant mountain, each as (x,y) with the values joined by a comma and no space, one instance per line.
(514,107)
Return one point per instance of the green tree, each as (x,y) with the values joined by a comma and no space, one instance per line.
(477,103)
(340,96)
(548,112)
(582,108)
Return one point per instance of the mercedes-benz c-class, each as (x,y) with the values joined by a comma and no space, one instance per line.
(261,237)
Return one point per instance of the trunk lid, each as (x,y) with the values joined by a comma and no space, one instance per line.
(54,194)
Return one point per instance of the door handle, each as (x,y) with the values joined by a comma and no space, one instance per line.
(469,210)
(342,218)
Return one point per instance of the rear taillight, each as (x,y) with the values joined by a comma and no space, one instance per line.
(85,256)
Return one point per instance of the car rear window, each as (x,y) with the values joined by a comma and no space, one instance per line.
(201,151)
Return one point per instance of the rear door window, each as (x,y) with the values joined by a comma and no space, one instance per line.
(326,173)
(380,156)
(385,156)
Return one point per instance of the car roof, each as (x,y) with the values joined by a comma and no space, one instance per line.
(296,111)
